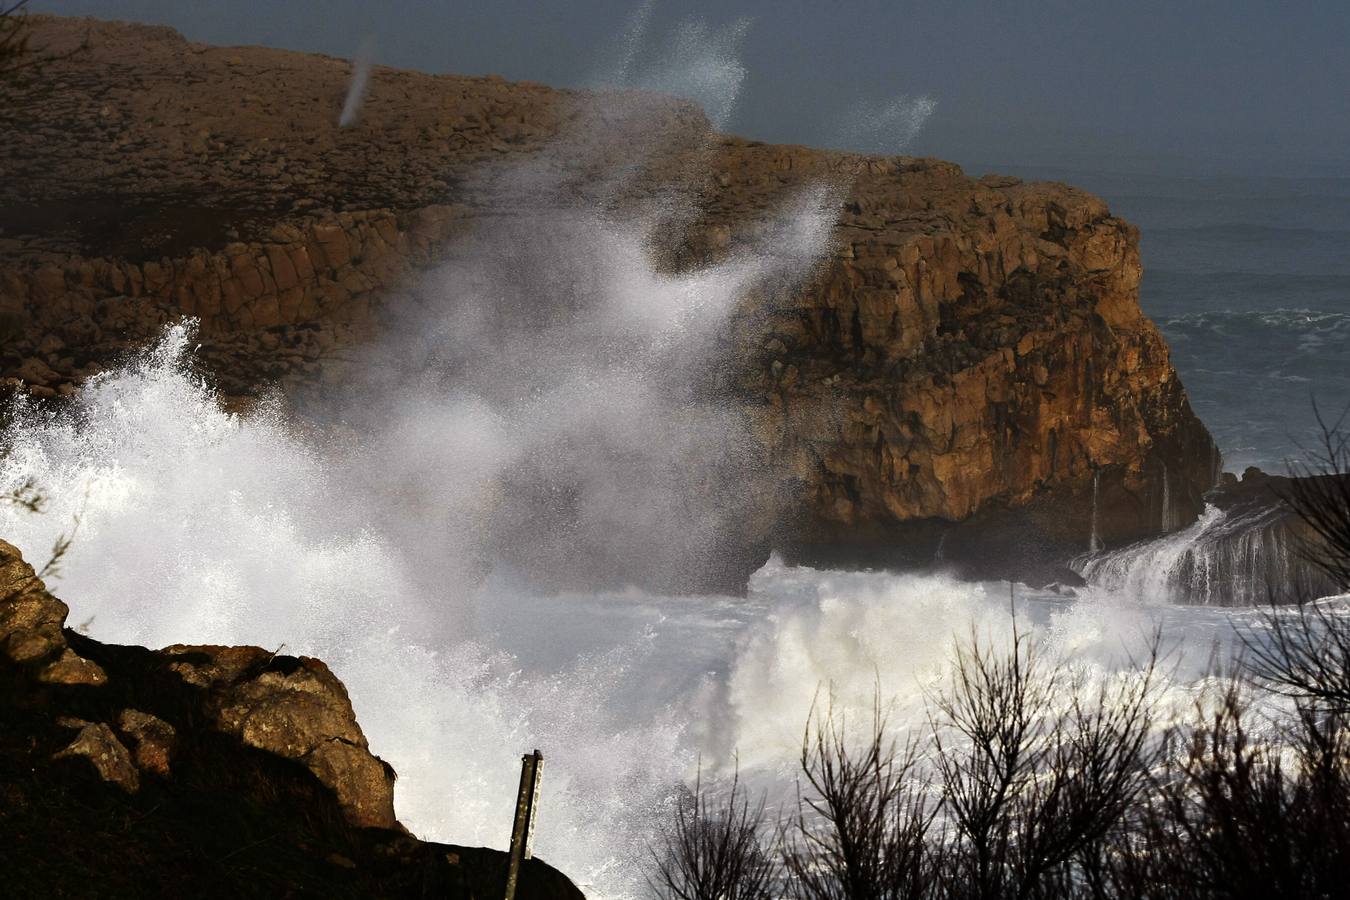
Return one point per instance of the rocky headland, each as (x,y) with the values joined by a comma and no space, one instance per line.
(968,377)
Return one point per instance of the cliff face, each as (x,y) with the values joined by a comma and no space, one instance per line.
(971,352)
(975,353)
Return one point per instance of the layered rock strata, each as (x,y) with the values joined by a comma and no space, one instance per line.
(968,376)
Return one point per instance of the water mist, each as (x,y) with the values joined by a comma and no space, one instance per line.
(452,529)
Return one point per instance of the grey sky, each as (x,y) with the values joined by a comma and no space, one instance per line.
(1236,86)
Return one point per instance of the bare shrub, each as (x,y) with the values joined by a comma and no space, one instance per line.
(713,850)
(1303,651)
(861,830)
(1037,770)
(1245,811)
(1319,494)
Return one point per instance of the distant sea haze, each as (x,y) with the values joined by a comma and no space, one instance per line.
(1249,280)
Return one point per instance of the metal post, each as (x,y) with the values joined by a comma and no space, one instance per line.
(522,829)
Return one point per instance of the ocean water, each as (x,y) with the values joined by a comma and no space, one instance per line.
(1249,280)
(201,526)
(390,550)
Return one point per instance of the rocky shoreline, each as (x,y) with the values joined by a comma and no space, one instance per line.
(969,367)
(199,771)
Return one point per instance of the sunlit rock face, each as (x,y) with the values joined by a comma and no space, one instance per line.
(955,369)
(975,353)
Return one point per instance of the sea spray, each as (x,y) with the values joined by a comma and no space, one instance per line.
(204,526)
(199,526)
(888,127)
(356,89)
(697,61)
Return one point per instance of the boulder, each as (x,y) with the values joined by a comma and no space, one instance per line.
(98,744)
(297,709)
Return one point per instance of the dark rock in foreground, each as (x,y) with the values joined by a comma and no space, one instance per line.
(199,772)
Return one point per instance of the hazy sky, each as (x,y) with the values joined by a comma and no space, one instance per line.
(1210,86)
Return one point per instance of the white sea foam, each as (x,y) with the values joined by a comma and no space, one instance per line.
(203,526)
(382,549)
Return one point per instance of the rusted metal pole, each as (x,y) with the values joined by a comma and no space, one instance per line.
(522,829)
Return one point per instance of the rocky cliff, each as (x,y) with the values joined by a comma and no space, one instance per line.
(968,375)
(198,772)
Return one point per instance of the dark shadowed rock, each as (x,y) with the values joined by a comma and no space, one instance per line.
(297,709)
(152,741)
(200,771)
(97,744)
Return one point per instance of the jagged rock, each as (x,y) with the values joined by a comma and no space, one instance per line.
(31,622)
(297,709)
(152,740)
(105,752)
(71,668)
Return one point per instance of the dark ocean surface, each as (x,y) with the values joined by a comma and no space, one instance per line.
(1249,280)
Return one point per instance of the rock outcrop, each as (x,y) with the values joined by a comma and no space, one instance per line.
(296,709)
(31,623)
(198,771)
(968,377)
(1250,548)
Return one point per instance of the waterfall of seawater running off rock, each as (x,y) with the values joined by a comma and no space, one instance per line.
(1236,559)
(202,526)
(380,549)
(1094,539)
